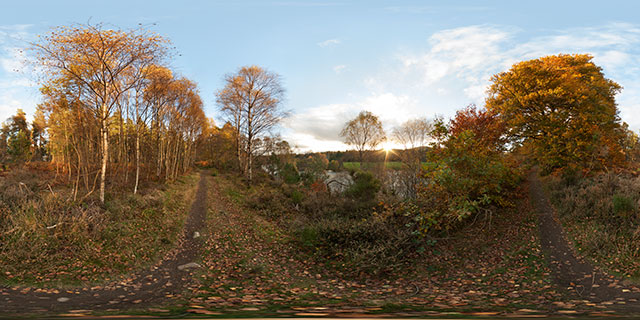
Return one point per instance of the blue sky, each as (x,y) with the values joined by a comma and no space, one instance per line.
(398,59)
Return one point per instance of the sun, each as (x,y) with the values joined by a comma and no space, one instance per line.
(387,148)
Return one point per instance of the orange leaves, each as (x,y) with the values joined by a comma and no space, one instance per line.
(563,107)
(486,126)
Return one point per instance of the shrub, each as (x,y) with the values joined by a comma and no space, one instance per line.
(466,174)
(373,245)
(623,206)
(334,165)
(297,197)
(289,174)
(364,187)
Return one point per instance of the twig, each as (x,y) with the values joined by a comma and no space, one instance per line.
(53,193)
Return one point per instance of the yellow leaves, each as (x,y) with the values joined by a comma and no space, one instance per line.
(561,102)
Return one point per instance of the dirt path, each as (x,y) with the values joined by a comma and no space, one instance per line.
(572,273)
(166,279)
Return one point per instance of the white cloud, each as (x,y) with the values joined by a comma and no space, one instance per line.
(17,90)
(330,42)
(318,128)
(472,54)
(339,68)
(467,57)
(455,70)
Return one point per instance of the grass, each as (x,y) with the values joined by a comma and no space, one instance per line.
(601,216)
(47,239)
(396,165)
(252,273)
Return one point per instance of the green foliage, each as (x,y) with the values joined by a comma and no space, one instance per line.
(289,174)
(465,175)
(334,165)
(312,167)
(623,205)
(364,187)
(19,146)
(297,197)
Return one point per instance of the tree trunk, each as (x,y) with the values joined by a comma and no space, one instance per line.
(135,188)
(249,160)
(105,151)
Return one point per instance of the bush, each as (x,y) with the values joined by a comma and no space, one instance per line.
(334,165)
(289,174)
(364,187)
(372,245)
(297,197)
(623,206)
(463,180)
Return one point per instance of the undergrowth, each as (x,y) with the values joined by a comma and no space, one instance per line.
(48,239)
(602,217)
(358,231)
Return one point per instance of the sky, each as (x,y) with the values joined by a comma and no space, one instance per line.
(398,59)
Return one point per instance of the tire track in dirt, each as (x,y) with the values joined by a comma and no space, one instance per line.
(166,280)
(572,273)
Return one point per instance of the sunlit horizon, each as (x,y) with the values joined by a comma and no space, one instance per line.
(399,60)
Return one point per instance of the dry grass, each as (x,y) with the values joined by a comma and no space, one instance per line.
(46,238)
(602,216)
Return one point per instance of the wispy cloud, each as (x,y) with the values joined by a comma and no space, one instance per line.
(318,128)
(339,68)
(330,42)
(456,67)
(17,90)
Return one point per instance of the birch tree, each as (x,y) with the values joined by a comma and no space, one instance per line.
(104,64)
(364,132)
(252,101)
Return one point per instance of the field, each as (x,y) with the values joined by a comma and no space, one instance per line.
(357,165)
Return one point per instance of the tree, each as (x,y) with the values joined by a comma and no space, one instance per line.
(16,137)
(102,65)
(467,171)
(252,102)
(414,135)
(564,108)
(364,132)
(38,135)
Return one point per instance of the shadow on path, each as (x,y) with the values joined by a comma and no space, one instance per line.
(578,276)
(166,279)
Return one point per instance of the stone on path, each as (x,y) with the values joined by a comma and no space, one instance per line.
(189,265)
(196,235)
(63,299)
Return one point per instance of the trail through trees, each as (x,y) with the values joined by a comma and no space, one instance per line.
(572,273)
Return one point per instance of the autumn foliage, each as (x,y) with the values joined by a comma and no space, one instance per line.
(467,172)
(112,104)
(563,109)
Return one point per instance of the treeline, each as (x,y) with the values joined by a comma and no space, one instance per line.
(381,155)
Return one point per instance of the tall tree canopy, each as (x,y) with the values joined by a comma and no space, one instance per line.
(105,91)
(364,132)
(563,108)
(252,102)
